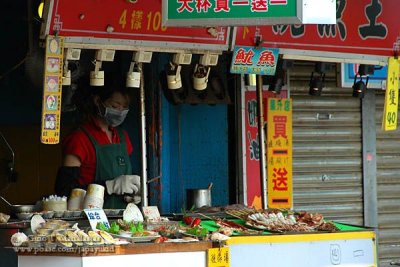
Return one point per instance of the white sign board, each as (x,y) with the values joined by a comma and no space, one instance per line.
(353,252)
(96,216)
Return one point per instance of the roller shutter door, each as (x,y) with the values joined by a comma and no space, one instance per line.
(388,177)
(327,149)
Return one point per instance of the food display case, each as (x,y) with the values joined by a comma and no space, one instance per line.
(351,246)
(247,243)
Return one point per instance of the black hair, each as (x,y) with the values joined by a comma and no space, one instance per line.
(84,97)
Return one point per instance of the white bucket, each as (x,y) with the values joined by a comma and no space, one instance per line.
(93,202)
(75,201)
(95,190)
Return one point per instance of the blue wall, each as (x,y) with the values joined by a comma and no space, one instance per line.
(194,153)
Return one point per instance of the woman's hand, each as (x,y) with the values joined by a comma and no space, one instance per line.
(124,184)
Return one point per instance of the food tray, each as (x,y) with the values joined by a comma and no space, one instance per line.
(137,239)
(284,224)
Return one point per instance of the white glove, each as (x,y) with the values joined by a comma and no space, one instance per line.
(124,184)
(136,199)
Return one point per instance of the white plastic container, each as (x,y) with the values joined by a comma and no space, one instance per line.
(75,201)
(93,202)
(95,190)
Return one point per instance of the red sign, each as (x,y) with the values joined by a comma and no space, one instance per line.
(253,180)
(369,27)
(126,23)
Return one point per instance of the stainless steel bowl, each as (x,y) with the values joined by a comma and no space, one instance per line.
(22,208)
(24,216)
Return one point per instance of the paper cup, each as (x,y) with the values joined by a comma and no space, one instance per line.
(91,202)
(95,190)
(75,201)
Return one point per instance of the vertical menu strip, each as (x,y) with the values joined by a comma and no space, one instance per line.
(279,153)
(52,86)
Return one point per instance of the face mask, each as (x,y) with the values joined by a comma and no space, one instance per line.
(114,117)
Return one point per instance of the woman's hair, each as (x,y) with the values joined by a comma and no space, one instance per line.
(84,97)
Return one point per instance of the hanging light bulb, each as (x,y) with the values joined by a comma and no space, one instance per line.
(133,75)
(40,9)
(200,77)
(174,80)
(317,84)
(359,87)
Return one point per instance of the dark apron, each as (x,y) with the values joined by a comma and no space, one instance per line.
(112,160)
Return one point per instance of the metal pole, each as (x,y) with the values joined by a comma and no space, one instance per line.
(261,138)
(143,139)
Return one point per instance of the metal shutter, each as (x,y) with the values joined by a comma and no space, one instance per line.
(388,177)
(327,148)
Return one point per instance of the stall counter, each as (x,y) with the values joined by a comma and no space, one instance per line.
(310,249)
(149,255)
(350,246)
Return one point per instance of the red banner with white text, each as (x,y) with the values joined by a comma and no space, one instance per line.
(126,22)
(368,27)
(252,149)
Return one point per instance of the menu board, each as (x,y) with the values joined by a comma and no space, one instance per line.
(52,85)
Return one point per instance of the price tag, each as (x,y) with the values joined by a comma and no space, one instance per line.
(218,257)
(151,213)
(95,216)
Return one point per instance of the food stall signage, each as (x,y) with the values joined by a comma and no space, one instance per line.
(389,120)
(125,24)
(279,153)
(96,216)
(252,60)
(251,144)
(218,257)
(52,86)
(362,27)
(247,12)
(151,213)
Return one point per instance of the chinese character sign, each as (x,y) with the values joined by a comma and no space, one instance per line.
(252,147)
(362,27)
(279,153)
(389,120)
(52,85)
(96,216)
(230,12)
(133,24)
(225,8)
(218,257)
(251,60)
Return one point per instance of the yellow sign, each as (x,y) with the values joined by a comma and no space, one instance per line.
(389,120)
(279,153)
(218,257)
(52,85)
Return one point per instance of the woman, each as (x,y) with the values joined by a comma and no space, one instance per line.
(98,151)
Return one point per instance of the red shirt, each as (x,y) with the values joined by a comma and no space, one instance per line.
(79,144)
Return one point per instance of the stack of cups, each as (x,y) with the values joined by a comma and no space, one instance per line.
(94,197)
(75,201)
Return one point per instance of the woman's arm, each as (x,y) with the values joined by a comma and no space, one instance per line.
(68,176)
(71,161)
